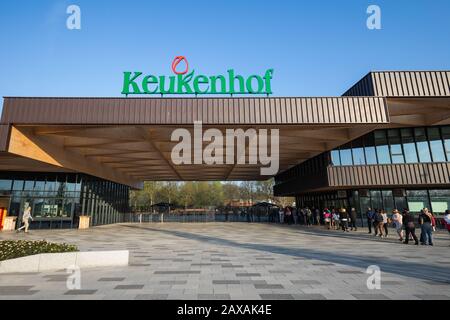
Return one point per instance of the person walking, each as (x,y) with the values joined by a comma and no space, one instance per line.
(308,216)
(398,223)
(426,220)
(370,215)
(343,216)
(26,217)
(353,215)
(336,221)
(317,216)
(281,215)
(327,218)
(385,223)
(378,223)
(410,227)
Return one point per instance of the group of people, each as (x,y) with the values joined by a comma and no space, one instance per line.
(378,220)
(405,224)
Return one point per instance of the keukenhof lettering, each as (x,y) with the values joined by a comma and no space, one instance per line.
(190,83)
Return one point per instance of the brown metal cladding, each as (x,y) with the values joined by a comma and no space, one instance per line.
(389,175)
(403,84)
(4,137)
(248,111)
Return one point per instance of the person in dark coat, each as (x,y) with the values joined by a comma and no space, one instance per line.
(353,220)
(370,214)
(410,227)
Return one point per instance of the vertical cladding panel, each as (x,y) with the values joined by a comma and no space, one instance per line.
(246,110)
(333,112)
(340,117)
(429,83)
(361,109)
(277,117)
(226,111)
(399,84)
(301,103)
(446,81)
(415,77)
(220,115)
(406,79)
(376,84)
(314,110)
(266,110)
(282,116)
(435,83)
(287,103)
(440,83)
(294,110)
(355,107)
(326,103)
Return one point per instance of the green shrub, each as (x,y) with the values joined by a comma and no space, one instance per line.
(11,249)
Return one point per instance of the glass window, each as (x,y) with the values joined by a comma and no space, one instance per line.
(29,185)
(409,146)
(446,137)
(382,147)
(375,197)
(18,185)
(346,157)
(395,146)
(440,201)
(369,149)
(5,185)
(358,152)
(335,160)
(388,201)
(417,200)
(437,148)
(422,145)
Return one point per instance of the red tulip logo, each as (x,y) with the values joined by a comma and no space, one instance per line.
(176,62)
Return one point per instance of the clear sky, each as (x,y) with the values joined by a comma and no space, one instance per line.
(317,48)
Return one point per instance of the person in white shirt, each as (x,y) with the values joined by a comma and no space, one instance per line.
(26,218)
(398,221)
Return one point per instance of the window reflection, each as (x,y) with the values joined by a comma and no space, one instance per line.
(406,145)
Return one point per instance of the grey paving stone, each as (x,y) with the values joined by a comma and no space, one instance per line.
(306,282)
(226,282)
(79,292)
(274,296)
(432,296)
(350,271)
(214,297)
(128,286)
(268,286)
(151,296)
(369,296)
(173,282)
(313,296)
(111,279)
(248,274)
(178,272)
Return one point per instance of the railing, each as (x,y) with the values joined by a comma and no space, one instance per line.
(192,217)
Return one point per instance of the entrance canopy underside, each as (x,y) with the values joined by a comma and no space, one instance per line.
(128,140)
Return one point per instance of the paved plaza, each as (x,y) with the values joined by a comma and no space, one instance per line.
(240,261)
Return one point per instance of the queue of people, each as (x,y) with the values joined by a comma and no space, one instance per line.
(404,224)
(378,221)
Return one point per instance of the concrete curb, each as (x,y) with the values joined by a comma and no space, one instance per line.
(58,261)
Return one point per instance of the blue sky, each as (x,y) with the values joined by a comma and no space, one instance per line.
(317,48)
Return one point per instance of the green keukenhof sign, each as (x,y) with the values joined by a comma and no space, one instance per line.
(191,83)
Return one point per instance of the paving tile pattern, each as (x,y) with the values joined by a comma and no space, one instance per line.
(224,261)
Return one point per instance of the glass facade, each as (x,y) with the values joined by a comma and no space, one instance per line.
(58,199)
(392,146)
(437,200)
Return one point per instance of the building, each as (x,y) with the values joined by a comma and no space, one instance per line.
(385,143)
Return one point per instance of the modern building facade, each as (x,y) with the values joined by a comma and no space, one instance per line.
(385,143)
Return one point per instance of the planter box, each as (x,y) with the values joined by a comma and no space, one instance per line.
(58,261)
